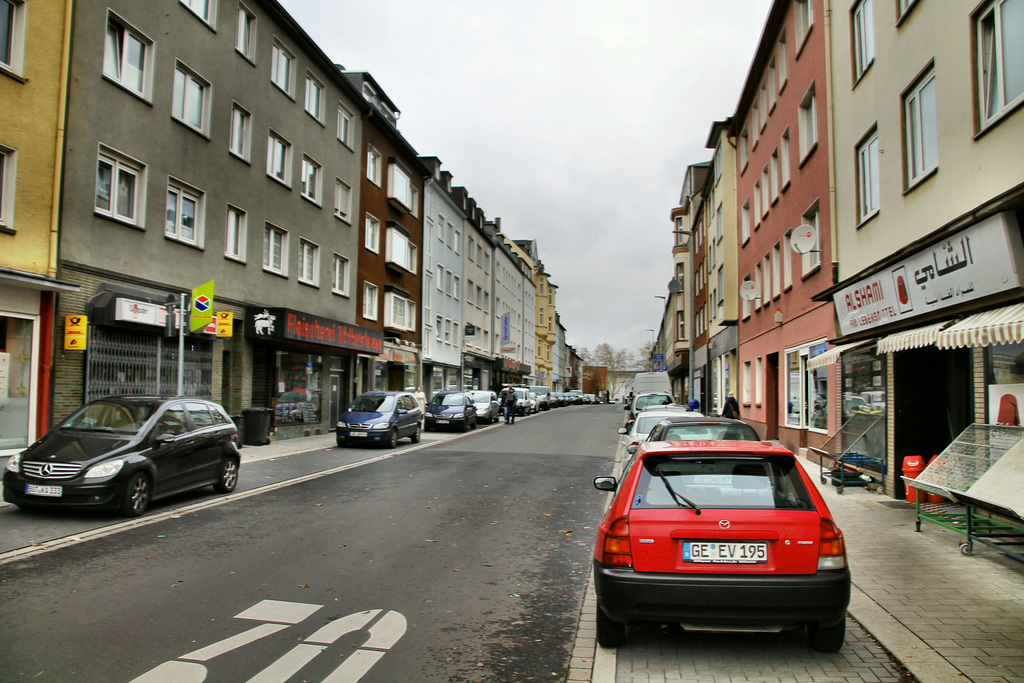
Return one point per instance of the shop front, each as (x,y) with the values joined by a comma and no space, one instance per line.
(509,371)
(476,371)
(26,343)
(306,368)
(939,331)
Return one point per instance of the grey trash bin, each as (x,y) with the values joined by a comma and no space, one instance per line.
(257,426)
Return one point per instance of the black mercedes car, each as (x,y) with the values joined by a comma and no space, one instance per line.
(123,452)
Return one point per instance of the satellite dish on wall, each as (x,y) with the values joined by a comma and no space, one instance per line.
(674,286)
(748,290)
(805,239)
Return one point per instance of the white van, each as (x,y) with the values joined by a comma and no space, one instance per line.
(644,382)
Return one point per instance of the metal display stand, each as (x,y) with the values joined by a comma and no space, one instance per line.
(855,455)
(982,474)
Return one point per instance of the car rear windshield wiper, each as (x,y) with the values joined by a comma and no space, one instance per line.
(677,497)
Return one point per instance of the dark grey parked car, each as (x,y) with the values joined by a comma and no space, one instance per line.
(123,452)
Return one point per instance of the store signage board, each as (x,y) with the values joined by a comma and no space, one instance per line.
(140,312)
(984,259)
(283,323)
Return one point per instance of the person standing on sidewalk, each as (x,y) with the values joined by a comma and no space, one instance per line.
(508,404)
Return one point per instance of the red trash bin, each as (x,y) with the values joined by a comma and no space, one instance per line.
(933,497)
(913,465)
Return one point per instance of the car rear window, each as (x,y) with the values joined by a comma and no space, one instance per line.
(771,483)
(644,401)
(707,432)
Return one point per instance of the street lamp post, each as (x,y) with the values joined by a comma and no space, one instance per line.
(652,348)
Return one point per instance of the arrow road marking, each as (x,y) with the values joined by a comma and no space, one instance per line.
(387,630)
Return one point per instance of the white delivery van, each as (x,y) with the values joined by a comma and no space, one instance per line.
(644,382)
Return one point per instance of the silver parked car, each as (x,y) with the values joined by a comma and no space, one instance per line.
(487,409)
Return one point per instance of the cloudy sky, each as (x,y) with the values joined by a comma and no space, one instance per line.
(572,120)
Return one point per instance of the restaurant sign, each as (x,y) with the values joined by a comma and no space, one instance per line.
(284,323)
(984,259)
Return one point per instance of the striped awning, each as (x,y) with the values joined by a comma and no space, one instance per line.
(911,339)
(999,326)
(832,355)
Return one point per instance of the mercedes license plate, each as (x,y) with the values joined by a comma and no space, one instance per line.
(48,491)
(725,553)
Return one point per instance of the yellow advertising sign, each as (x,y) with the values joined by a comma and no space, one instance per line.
(225,323)
(76,329)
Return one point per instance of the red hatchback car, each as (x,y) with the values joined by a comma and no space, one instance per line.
(719,535)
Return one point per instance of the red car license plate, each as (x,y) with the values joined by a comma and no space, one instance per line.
(725,553)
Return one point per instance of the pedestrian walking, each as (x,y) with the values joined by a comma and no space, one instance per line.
(508,404)
(421,398)
(735,405)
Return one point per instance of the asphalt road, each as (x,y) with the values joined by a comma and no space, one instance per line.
(462,561)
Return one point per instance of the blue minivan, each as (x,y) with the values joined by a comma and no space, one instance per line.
(380,417)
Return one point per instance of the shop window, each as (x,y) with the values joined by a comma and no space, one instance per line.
(16,361)
(806,390)
(298,384)
(1004,377)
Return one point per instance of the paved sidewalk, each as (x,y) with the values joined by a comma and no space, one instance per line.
(944,616)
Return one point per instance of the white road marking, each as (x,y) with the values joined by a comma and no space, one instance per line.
(386,632)
(234,642)
(174,672)
(288,665)
(279,611)
(355,666)
(339,627)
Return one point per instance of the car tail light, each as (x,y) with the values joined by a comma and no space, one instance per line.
(616,548)
(832,551)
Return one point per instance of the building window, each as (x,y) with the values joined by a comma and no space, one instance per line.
(808,121)
(765,191)
(744,147)
(762,103)
(787,259)
(758,283)
(680,325)
(757,380)
(344,126)
(282,63)
(439,278)
(399,185)
(372,238)
(309,262)
(773,165)
(812,259)
(311,180)
(905,6)
(241,132)
(339,282)
(781,66)
(784,160)
(400,250)
(184,220)
(1000,57)
(314,98)
(804,19)
(745,221)
(922,128)
(235,232)
(745,390)
(190,103)
(204,9)
(373,169)
(455,287)
(118,181)
(279,153)
(766,269)
(369,301)
(757,202)
(245,33)
(342,200)
(772,87)
(863,37)
(275,246)
(8,173)
(867,177)
(12,32)
(776,269)
(126,56)
(399,312)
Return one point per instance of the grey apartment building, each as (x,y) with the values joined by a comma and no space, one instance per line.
(211,141)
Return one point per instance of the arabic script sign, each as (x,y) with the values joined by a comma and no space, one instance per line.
(983,259)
